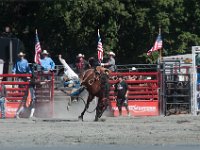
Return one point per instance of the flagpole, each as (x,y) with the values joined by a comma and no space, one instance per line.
(99,60)
(160,55)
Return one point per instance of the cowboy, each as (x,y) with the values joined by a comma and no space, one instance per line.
(46,62)
(93,63)
(121,90)
(22,65)
(30,98)
(111,62)
(70,76)
(2,98)
(80,64)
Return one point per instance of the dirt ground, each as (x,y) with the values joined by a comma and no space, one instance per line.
(65,129)
(182,129)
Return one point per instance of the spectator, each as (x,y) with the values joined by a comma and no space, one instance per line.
(198,70)
(21,66)
(46,62)
(7,33)
(2,98)
(111,62)
(121,89)
(80,64)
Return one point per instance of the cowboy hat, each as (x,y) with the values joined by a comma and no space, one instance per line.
(45,52)
(148,78)
(21,54)
(111,53)
(133,69)
(80,55)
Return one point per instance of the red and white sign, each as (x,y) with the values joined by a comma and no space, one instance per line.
(11,109)
(138,108)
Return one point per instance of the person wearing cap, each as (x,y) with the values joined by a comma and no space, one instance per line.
(80,64)
(121,90)
(133,77)
(111,62)
(46,62)
(2,98)
(21,66)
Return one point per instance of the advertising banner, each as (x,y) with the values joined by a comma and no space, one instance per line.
(138,108)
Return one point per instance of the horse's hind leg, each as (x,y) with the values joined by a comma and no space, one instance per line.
(90,97)
(101,107)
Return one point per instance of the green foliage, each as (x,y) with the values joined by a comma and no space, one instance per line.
(127,27)
(152,59)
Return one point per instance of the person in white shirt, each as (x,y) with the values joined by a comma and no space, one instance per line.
(111,62)
(70,76)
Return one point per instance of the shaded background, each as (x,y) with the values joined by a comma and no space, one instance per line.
(127,27)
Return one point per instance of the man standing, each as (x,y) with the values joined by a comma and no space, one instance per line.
(121,90)
(111,62)
(80,64)
(46,62)
(30,98)
(21,66)
(2,98)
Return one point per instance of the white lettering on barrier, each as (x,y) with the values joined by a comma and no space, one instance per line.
(11,110)
(139,108)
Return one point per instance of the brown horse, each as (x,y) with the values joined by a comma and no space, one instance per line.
(93,80)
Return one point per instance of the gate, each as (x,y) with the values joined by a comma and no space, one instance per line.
(176,87)
(16,90)
(195,100)
(143,86)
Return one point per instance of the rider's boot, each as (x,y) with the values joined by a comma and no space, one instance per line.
(77,92)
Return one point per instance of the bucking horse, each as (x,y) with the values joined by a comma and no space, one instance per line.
(96,83)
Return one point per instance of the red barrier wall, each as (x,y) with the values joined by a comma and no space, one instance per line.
(16,94)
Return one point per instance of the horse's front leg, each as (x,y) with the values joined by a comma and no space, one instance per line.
(90,98)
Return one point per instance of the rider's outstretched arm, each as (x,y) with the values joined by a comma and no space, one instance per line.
(62,61)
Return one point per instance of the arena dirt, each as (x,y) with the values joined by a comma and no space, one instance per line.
(65,129)
(183,129)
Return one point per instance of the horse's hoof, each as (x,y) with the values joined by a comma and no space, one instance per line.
(102,119)
(96,119)
(68,107)
(80,118)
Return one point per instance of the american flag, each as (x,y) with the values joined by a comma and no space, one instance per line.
(100,48)
(38,50)
(157,45)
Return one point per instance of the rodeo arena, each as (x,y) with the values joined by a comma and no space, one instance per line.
(163,103)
